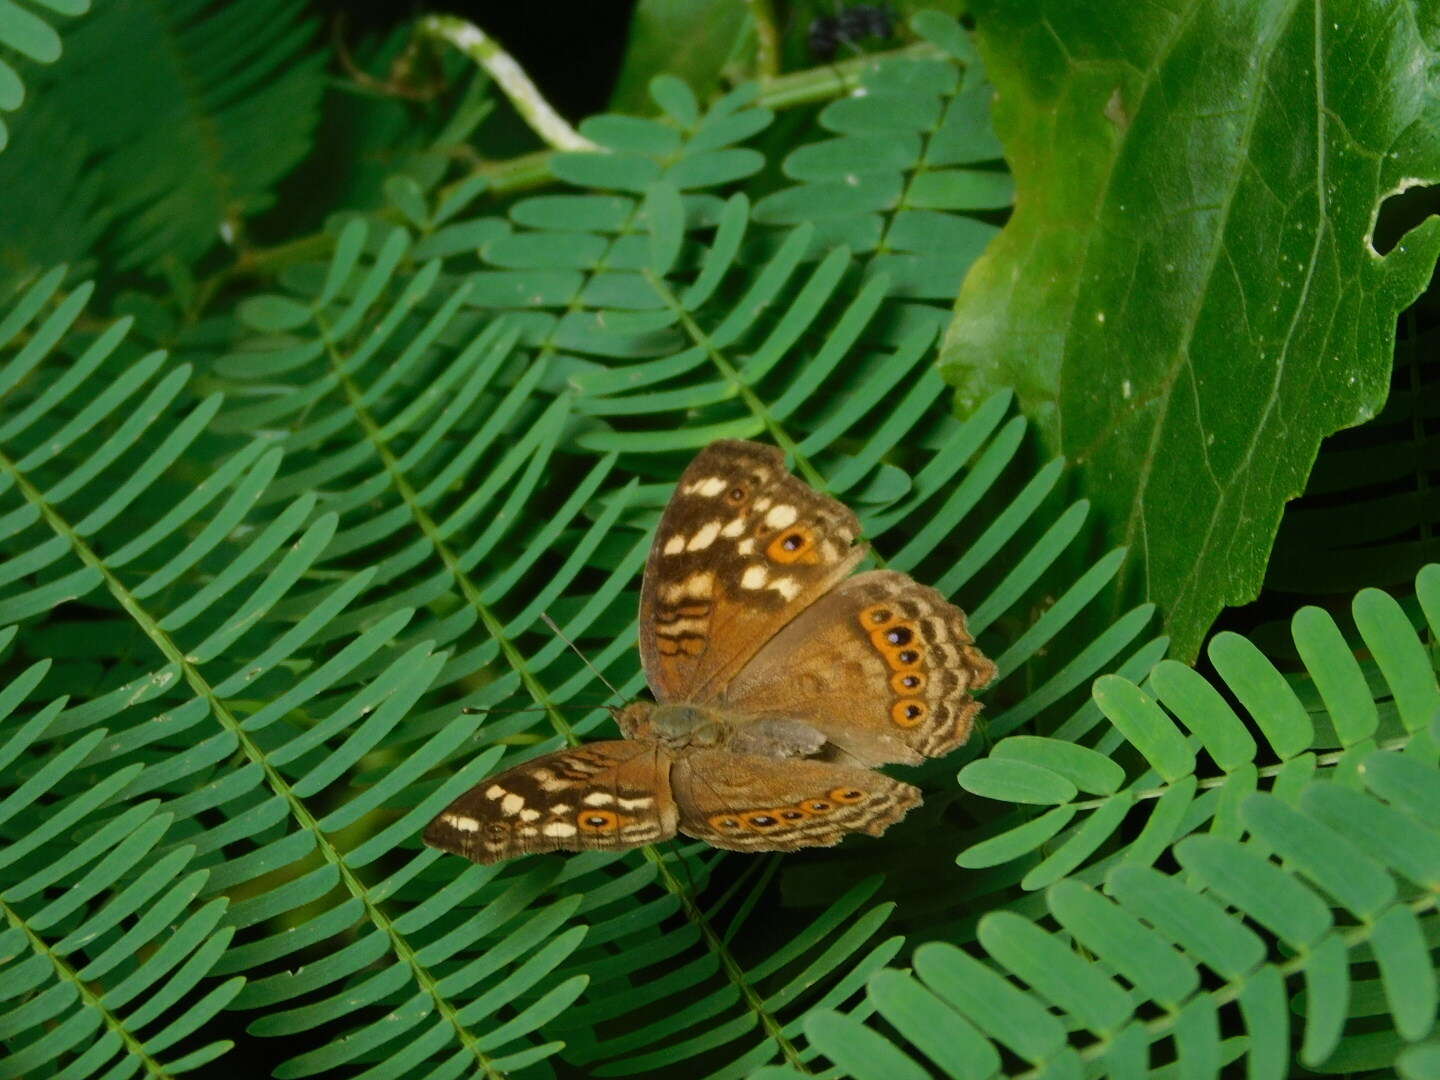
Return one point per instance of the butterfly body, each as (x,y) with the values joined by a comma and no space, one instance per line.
(781,681)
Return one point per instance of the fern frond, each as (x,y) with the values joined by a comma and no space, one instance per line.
(56,213)
(209,105)
(27,36)
(287,723)
(94,917)
(1326,880)
(913,158)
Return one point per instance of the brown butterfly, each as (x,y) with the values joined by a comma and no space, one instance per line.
(781,682)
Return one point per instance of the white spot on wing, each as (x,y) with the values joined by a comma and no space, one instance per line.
(464,824)
(494,791)
(733,528)
(511,804)
(598,798)
(709,487)
(529,815)
(754,577)
(675,545)
(704,537)
(696,585)
(786,587)
(781,516)
(636,804)
(559,828)
(746,546)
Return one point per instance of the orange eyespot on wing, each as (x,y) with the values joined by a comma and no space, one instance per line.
(794,545)
(908,682)
(909,712)
(876,616)
(748,802)
(599,821)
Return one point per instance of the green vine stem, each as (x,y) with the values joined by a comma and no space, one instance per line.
(552,128)
(767,39)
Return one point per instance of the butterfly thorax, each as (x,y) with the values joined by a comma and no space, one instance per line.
(677,726)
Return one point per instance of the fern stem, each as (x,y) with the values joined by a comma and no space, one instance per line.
(753,1001)
(88,997)
(256,754)
(510,77)
(752,400)
(431,530)
(817,84)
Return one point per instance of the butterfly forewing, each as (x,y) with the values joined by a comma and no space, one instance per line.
(604,795)
(742,548)
(884,666)
(752,803)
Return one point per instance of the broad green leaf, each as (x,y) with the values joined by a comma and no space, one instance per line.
(1186,299)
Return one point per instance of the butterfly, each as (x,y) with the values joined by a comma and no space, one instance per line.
(780,682)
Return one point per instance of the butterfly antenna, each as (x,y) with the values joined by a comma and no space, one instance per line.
(583,658)
(678,855)
(476,710)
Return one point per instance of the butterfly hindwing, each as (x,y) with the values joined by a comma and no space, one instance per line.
(748,802)
(606,795)
(743,547)
(883,665)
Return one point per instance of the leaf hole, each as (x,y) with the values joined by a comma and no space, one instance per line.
(1401,212)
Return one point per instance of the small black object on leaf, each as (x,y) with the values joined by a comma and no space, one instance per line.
(850,26)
